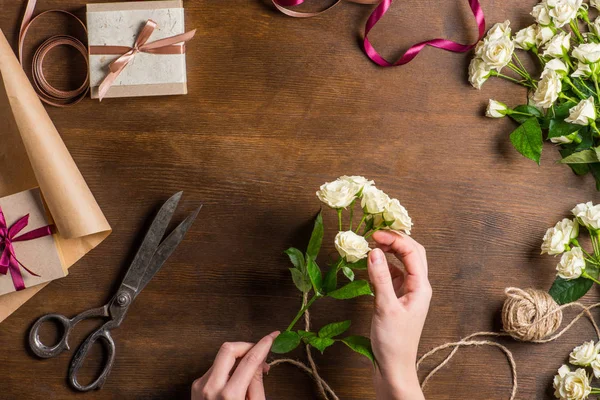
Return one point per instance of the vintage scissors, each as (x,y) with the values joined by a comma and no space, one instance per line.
(151,255)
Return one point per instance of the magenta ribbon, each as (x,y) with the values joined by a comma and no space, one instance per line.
(8,259)
(414,50)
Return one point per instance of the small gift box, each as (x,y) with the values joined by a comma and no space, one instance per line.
(29,254)
(137,49)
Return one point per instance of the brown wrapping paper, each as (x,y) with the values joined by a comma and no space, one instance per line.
(32,154)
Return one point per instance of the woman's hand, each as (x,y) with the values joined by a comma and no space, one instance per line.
(401,305)
(223,382)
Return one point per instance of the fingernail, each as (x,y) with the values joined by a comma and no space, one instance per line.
(376,256)
(274,334)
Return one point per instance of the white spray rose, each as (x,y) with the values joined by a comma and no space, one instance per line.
(556,65)
(596,26)
(564,139)
(548,89)
(571,385)
(558,45)
(587,52)
(583,70)
(559,236)
(479,72)
(543,35)
(564,11)
(595,4)
(571,265)
(497,52)
(495,109)
(584,355)
(337,194)
(360,182)
(582,113)
(396,215)
(596,367)
(525,38)
(351,246)
(499,30)
(588,214)
(374,200)
(541,13)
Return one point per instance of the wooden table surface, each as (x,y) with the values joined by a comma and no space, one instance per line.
(276,107)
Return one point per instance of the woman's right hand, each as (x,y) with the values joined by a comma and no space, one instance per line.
(401,304)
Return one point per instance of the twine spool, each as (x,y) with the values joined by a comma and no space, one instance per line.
(530,315)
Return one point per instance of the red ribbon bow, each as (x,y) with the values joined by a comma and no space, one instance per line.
(8,259)
(170,45)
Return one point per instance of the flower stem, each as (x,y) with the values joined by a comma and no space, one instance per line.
(579,92)
(518,70)
(302,310)
(351,214)
(362,220)
(339,213)
(575,30)
(586,275)
(371,232)
(508,78)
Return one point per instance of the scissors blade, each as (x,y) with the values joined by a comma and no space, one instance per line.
(166,248)
(151,242)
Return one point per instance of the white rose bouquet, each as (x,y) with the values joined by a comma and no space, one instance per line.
(576,385)
(378,211)
(577,269)
(563,100)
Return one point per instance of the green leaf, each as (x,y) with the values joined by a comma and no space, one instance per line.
(525,109)
(334,329)
(349,273)
(319,343)
(285,342)
(528,140)
(578,169)
(581,157)
(587,88)
(561,128)
(351,290)
(306,334)
(300,280)
(297,258)
(314,273)
(562,111)
(595,170)
(360,264)
(361,345)
(567,291)
(316,238)
(330,280)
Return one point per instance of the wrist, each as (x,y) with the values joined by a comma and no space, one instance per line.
(403,386)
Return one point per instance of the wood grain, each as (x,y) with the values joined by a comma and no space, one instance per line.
(276,107)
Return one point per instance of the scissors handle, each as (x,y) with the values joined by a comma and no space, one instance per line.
(43,351)
(77,362)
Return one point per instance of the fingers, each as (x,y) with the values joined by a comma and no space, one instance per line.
(256,390)
(381,278)
(225,361)
(411,253)
(245,372)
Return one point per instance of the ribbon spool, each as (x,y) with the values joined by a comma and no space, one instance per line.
(45,91)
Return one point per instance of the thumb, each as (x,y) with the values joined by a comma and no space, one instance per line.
(379,274)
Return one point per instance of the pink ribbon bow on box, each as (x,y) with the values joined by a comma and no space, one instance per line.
(8,235)
(171,45)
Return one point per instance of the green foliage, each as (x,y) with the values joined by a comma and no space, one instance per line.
(316,238)
(352,290)
(567,291)
(314,273)
(286,342)
(527,139)
(348,273)
(334,329)
(361,345)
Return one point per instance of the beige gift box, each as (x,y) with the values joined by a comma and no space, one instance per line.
(119,24)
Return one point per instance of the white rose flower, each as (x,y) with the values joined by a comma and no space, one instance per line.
(596,26)
(559,236)
(584,355)
(564,11)
(564,139)
(596,367)
(588,214)
(351,246)
(587,52)
(397,216)
(595,4)
(479,72)
(541,13)
(556,65)
(544,33)
(499,30)
(582,113)
(571,265)
(571,385)
(583,70)
(337,194)
(497,53)
(558,45)
(374,200)
(495,109)
(525,38)
(548,89)
(359,181)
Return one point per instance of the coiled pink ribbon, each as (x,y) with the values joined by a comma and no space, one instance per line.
(171,45)
(8,259)
(377,14)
